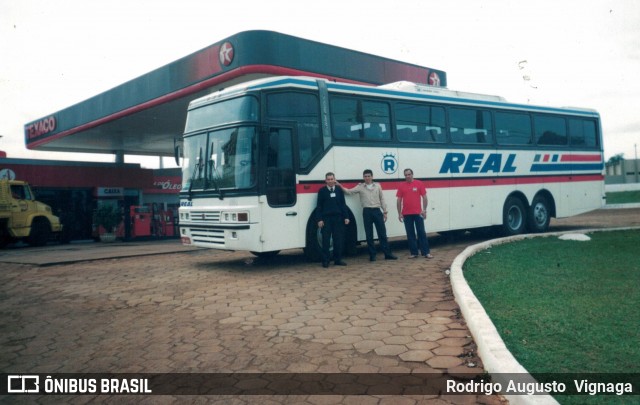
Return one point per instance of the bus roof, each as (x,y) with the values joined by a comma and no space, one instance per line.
(398,90)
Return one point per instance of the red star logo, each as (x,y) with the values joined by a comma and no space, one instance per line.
(226,54)
(434,79)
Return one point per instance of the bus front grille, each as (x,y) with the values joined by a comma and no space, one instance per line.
(205,216)
(208,235)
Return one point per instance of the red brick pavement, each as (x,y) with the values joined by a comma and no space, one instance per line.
(211,312)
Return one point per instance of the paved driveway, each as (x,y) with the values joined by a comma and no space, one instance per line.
(178,310)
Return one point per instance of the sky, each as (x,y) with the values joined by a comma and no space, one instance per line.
(54,54)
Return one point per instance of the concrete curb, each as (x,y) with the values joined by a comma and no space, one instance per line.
(619,206)
(497,359)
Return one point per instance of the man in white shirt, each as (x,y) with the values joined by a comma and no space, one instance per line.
(374,212)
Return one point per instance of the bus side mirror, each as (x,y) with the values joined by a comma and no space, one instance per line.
(176,151)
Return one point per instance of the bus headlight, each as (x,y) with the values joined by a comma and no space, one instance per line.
(235,217)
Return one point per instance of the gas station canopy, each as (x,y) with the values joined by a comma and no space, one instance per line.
(144,115)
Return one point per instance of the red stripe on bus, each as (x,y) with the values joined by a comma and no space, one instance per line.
(581,158)
(309,188)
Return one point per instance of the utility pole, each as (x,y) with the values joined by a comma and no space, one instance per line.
(635,162)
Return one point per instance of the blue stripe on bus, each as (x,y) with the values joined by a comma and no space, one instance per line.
(552,167)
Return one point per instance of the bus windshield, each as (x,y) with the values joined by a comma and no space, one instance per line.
(219,160)
(225,112)
(219,157)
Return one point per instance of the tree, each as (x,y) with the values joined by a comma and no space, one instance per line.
(615,159)
(107,216)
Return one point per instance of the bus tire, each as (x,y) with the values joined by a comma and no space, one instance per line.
(539,215)
(313,244)
(351,237)
(453,235)
(513,217)
(266,255)
(313,241)
(40,232)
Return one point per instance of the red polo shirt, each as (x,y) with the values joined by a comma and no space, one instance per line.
(411,194)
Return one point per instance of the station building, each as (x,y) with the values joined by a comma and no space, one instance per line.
(146,114)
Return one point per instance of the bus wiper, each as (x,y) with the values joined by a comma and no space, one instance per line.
(192,179)
(217,187)
(215,176)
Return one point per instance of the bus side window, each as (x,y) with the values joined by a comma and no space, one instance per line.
(550,130)
(309,143)
(420,123)
(376,120)
(583,133)
(470,126)
(513,128)
(405,133)
(344,115)
(303,109)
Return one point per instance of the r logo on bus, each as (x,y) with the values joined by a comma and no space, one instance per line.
(389,163)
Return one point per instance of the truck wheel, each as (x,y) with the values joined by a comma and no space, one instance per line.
(40,232)
(5,237)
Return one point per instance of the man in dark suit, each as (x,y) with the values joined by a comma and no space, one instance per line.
(332,216)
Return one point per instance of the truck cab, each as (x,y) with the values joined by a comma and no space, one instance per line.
(24,218)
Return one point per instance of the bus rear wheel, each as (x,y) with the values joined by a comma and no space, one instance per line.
(513,217)
(539,215)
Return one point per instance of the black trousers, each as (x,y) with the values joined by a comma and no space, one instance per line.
(333,229)
(371,217)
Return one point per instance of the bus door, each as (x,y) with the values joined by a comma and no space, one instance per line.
(279,213)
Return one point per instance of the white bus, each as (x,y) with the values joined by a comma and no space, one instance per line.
(256,154)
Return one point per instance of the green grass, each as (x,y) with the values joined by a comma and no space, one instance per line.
(623,197)
(565,306)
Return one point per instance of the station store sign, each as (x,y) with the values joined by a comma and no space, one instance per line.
(106,192)
(165,185)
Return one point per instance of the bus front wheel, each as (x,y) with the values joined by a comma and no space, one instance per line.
(265,255)
(513,217)
(313,243)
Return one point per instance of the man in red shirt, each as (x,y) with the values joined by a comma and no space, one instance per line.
(412,211)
